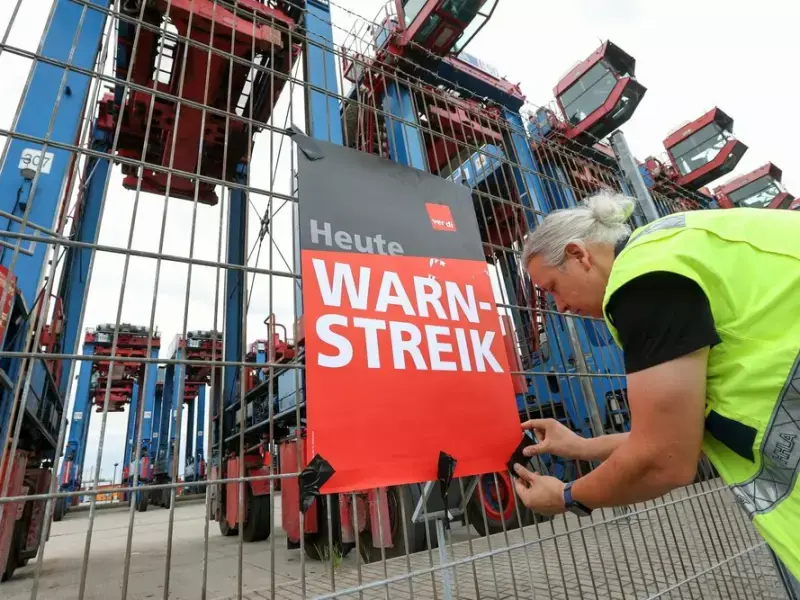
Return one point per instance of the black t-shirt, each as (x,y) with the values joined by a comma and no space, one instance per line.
(661,316)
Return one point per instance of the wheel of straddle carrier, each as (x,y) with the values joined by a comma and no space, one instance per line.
(13,560)
(256,524)
(58,509)
(498,503)
(409,541)
(318,545)
(142,500)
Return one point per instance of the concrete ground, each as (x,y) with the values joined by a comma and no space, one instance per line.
(697,545)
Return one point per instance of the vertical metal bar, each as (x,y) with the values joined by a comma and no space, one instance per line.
(633,175)
(445,573)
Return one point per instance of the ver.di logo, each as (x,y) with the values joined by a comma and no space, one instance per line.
(441,217)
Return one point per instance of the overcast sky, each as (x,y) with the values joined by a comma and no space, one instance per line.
(690,55)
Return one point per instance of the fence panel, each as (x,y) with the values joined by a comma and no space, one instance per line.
(156,324)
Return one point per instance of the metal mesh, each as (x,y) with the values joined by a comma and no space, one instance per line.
(183,234)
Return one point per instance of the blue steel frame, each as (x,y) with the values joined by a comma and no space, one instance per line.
(199,452)
(323,122)
(75,450)
(188,440)
(75,41)
(597,345)
(149,422)
(130,439)
(162,411)
(236,254)
(176,378)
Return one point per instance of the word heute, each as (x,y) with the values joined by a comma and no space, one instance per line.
(472,348)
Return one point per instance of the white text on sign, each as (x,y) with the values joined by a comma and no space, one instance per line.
(445,349)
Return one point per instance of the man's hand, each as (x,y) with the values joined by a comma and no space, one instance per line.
(540,493)
(554,438)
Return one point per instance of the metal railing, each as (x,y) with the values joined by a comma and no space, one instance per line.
(164,261)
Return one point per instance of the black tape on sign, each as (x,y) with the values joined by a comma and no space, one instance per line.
(445,470)
(312,478)
(305,143)
(518,456)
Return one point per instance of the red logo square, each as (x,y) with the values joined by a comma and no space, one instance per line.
(441,217)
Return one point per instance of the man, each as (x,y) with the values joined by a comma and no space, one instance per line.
(706,308)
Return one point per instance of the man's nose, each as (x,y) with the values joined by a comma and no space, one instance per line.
(561,306)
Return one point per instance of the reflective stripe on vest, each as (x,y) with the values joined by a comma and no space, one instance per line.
(780,450)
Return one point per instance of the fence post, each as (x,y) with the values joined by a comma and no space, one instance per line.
(584,378)
(631,172)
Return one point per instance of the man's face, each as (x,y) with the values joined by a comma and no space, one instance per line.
(577,286)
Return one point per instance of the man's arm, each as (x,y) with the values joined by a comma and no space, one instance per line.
(667,404)
(600,448)
(554,438)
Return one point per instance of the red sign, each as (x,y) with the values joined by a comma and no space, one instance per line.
(404,352)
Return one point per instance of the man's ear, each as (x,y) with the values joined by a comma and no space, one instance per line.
(578,252)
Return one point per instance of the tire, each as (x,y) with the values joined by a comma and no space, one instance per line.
(414,534)
(317,545)
(256,525)
(58,509)
(142,500)
(499,505)
(13,560)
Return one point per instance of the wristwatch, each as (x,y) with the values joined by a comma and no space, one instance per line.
(573,505)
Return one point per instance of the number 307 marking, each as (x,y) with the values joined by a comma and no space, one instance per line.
(32,157)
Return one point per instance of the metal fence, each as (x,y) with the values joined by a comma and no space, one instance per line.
(191,230)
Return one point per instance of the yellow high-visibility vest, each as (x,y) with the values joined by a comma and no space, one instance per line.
(747,261)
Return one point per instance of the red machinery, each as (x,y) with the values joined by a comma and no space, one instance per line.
(259,352)
(700,151)
(200,345)
(599,94)
(131,343)
(203,84)
(761,188)
(422,29)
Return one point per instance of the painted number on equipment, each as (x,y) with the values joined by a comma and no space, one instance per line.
(147,414)
(77,416)
(32,157)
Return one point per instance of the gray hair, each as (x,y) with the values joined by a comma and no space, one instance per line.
(601,219)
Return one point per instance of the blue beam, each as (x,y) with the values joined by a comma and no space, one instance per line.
(176,373)
(74,36)
(77,261)
(155,435)
(201,425)
(406,145)
(527,175)
(130,439)
(189,441)
(323,117)
(324,120)
(149,418)
(165,412)
(261,358)
(234,294)
(79,426)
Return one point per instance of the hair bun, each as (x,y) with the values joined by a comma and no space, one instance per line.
(610,208)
